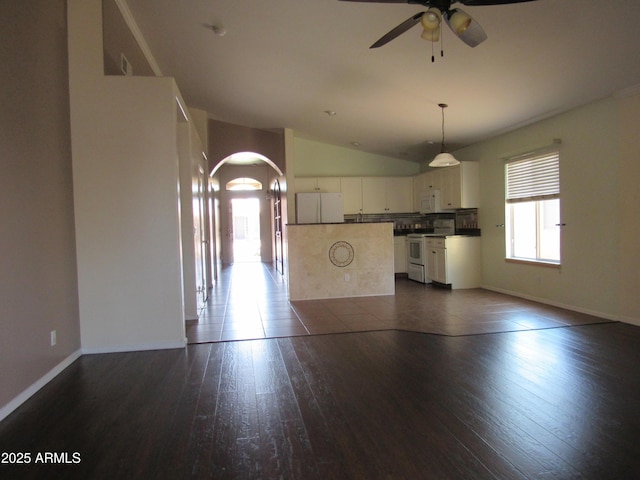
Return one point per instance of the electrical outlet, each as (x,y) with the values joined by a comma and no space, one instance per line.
(54,338)
(347,277)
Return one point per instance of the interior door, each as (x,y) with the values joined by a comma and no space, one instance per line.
(277,227)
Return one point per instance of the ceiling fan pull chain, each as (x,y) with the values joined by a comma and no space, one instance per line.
(441,46)
(433,58)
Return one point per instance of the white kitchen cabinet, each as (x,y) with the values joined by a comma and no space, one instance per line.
(460,186)
(399,194)
(351,188)
(437,260)
(400,254)
(317,184)
(419,188)
(387,194)
(373,195)
(454,261)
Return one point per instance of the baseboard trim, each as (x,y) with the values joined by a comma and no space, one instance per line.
(134,348)
(6,410)
(546,301)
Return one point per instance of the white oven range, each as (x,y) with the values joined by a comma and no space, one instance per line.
(416,249)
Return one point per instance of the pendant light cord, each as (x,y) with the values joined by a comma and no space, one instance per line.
(442,107)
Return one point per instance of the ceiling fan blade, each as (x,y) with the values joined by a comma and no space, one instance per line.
(465,27)
(377,1)
(478,3)
(399,30)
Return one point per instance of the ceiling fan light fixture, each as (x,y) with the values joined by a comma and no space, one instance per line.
(431,19)
(465,27)
(459,21)
(431,35)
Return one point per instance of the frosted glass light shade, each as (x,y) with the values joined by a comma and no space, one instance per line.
(431,35)
(444,159)
(431,19)
(459,21)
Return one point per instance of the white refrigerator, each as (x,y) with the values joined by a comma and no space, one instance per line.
(319,208)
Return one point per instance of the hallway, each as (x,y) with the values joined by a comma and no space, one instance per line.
(250,301)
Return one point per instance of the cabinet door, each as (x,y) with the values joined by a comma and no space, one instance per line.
(373,195)
(328,184)
(419,188)
(399,194)
(305,185)
(431,263)
(450,187)
(441,265)
(351,188)
(434,179)
(437,264)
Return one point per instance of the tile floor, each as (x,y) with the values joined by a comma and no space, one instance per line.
(250,301)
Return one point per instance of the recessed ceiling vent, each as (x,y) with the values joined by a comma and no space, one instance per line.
(125,66)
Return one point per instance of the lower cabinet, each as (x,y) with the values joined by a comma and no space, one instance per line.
(436,254)
(454,261)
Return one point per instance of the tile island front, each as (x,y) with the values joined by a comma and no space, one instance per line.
(340,260)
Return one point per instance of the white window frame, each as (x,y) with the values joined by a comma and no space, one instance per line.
(533,177)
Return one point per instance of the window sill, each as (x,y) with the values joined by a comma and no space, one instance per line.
(537,263)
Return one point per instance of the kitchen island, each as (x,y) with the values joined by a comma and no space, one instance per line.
(333,260)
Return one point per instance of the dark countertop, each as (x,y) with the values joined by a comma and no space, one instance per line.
(470,232)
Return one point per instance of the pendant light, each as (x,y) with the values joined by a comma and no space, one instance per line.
(444,158)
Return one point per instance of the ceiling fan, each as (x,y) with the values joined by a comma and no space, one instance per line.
(460,22)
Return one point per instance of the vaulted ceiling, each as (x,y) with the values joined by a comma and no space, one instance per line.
(284,63)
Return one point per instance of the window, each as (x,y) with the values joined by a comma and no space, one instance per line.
(244,183)
(533,208)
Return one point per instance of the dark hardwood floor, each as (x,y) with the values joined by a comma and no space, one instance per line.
(558,403)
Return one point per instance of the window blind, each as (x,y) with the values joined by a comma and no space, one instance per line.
(533,178)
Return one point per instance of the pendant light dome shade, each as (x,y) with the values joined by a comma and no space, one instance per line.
(444,158)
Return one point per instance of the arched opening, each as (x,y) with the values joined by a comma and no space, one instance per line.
(243,176)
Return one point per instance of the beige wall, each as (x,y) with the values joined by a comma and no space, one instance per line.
(320,159)
(117,39)
(225,139)
(38,284)
(629,201)
(590,169)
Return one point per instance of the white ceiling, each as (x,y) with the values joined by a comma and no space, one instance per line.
(282,63)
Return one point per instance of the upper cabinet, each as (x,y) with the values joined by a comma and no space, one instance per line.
(399,194)
(459,185)
(377,194)
(351,194)
(387,194)
(317,184)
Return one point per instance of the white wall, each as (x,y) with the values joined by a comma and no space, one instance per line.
(589,279)
(125,172)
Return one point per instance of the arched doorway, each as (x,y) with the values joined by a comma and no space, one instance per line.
(245,175)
